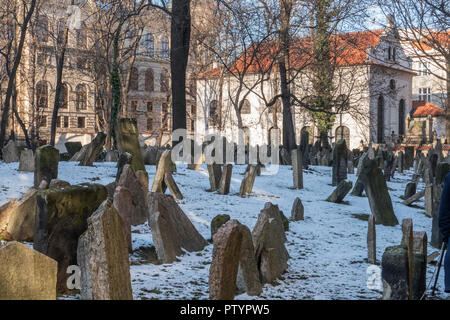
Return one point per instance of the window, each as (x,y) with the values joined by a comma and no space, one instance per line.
(164,83)
(81,97)
(42,33)
(245,107)
(149,106)
(342,103)
(149,124)
(134,79)
(166,116)
(343,133)
(81,38)
(392,52)
(213,112)
(401,117)
(81,122)
(164,47)
(424,68)
(58,121)
(149,80)
(425,94)
(380,120)
(64,97)
(66,122)
(150,44)
(42,94)
(133,106)
(42,121)
(392,84)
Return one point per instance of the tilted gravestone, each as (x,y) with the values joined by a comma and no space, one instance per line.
(410,190)
(26,274)
(123,202)
(45,165)
(171,229)
(225,180)
(248,181)
(60,220)
(93,150)
(105,247)
(128,141)
(233,255)
(338,195)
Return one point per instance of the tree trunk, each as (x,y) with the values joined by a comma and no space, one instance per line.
(115,87)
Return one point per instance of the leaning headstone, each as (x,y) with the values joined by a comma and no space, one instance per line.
(217,222)
(340,158)
(225,180)
(338,195)
(26,162)
(297,168)
(298,211)
(248,181)
(17,218)
(10,152)
(46,164)
(109,264)
(410,190)
(93,150)
(395,273)
(269,238)
(128,141)
(171,229)
(139,204)
(60,220)
(172,186)
(164,165)
(26,274)
(414,198)
(371,241)
(233,252)
(73,147)
(215,173)
(123,202)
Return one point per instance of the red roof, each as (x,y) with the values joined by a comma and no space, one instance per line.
(434,40)
(425,109)
(347,49)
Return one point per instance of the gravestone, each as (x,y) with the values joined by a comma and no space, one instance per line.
(26,162)
(164,165)
(46,164)
(389,165)
(139,209)
(414,198)
(60,220)
(109,265)
(371,241)
(172,230)
(340,159)
(297,212)
(429,194)
(150,156)
(83,260)
(128,141)
(419,278)
(297,168)
(73,147)
(123,202)
(217,222)
(93,150)
(10,152)
(225,180)
(248,181)
(409,157)
(215,173)
(26,274)
(408,242)
(233,254)
(401,161)
(410,190)
(338,195)
(395,273)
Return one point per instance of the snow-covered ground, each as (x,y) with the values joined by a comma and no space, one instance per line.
(328,249)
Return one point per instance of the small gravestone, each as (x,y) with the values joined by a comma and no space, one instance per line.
(123,202)
(45,165)
(225,180)
(83,259)
(26,162)
(61,218)
(371,241)
(297,168)
(26,274)
(401,161)
(248,181)
(109,265)
(172,230)
(233,253)
(350,165)
(429,195)
(215,173)
(388,165)
(410,190)
(217,222)
(340,159)
(93,150)
(164,165)
(73,147)
(338,195)
(10,152)
(150,156)
(129,181)
(414,198)
(269,238)
(298,211)
(395,273)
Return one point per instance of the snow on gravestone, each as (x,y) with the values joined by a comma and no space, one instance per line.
(269,238)
(105,251)
(26,274)
(233,261)
(171,229)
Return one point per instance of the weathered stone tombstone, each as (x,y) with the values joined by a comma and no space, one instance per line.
(410,190)
(388,165)
(340,159)
(408,243)
(10,152)
(150,156)
(171,229)
(269,238)
(395,273)
(409,157)
(371,241)
(123,202)
(215,173)
(139,209)
(128,141)
(338,195)
(73,147)
(217,222)
(350,164)
(297,168)
(46,164)
(26,162)
(107,254)
(414,198)
(442,170)
(420,242)
(60,220)
(93,150)
(225,180)
(248,181)
(233,258)
(429,194)
(163,177)
(298,211)
(26,274)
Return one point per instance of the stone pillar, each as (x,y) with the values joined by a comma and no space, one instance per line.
(371,241)
(297,168)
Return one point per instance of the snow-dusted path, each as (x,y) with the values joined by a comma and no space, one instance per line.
(327,249)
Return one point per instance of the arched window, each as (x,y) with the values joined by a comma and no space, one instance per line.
(42,94)
(149,80)
(164,47)
(401,117)
(164,82)
(134,79)
(246,132)
(309,130)
(42,29)
(81,97)
(245,107)
(380,120)
(81,38)
(213,112)
(149,44)
(343,133)
(64,96)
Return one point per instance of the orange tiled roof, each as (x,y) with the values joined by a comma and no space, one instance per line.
(425,109)
(347,49)
(436,39)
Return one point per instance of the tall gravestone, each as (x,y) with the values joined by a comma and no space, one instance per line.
(340,158)
(297,168)
(371,241)
(46,164)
